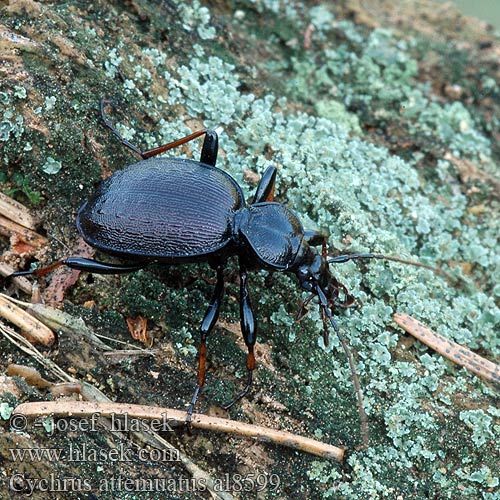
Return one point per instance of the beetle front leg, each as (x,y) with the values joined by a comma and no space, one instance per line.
(207,326)
(249,330)
(265,189)
(315,237)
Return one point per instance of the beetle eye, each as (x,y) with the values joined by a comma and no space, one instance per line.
(303,274)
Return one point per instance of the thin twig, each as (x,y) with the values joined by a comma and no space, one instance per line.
(178,417)
(90,392)
(33,329)
(13,210)
(451,350)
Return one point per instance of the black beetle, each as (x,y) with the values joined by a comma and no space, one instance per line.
(177,211)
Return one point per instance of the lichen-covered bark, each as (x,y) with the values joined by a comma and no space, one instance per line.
(383,122)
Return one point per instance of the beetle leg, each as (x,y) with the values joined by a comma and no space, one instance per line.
(171,145)
(210,148)
(94,266)
(265,189)
(206,327)
(315,238)
(354,256)
(210,144)
(249,330)
(80,264)
(111,127)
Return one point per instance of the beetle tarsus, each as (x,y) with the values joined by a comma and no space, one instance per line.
(191,406)
(241,394)
(111,127)
(208,154)
(171,145)
(39,272)
(207,326)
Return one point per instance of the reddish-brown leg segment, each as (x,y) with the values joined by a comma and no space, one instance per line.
(207,326)
(265,189)
(208,153)
(249,330)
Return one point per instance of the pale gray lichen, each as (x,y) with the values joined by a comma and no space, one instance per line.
(50,102)
(6,410)
(51,166)
(484,476)
(20,92)
(480,423)
(112,64)
(11,122)
(196,16)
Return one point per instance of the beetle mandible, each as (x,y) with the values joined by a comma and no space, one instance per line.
(177,211)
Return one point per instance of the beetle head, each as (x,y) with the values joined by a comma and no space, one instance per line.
(313,272)
(311,268)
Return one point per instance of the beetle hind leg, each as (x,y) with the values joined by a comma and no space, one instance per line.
(207,326)
(249,330)
(79,264)
(208,153)
(242,393)
(82,264)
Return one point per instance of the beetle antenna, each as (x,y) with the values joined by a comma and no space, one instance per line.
(362,414)
(357,256)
